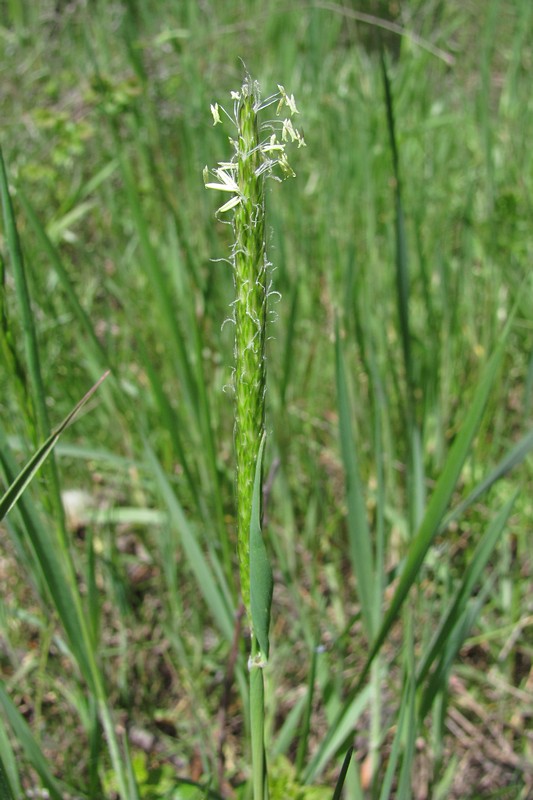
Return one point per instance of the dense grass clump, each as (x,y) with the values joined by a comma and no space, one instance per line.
(396,475)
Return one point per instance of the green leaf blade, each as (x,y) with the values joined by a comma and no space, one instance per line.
(358,528)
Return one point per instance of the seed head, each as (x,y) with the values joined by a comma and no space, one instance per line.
(259,151)
(270,149)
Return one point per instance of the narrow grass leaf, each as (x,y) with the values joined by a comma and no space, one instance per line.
(29,334)
(95,737)
(409,731)
(305,728)
(395,751)
(91,345)
(27,473)
(381,494)
(290,728)
(342,775)
(51,570)
(30,747)
(5,787)
(24,522)
(93,593)
(443,789)
(261,580)
(513,458)
(439,678)
(402,266)
(170,421)
(358,529)
(9,774)
(471,577)
(338,733)
(133,789)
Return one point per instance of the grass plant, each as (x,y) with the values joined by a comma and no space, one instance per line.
(395,498)
(259,150)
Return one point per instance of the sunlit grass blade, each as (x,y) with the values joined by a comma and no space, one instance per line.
(27,473)
(133,790)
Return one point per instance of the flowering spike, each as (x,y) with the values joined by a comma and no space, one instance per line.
(254,159)
(267,154)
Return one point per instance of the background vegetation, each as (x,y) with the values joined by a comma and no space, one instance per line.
(119,635)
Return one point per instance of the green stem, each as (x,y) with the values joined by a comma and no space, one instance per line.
(257,725)
(244,177)
(250,267)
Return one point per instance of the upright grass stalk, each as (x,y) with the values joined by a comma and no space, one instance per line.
(244,177)
(415,473)
(250,273)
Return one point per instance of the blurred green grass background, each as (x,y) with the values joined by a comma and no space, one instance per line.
(105,131)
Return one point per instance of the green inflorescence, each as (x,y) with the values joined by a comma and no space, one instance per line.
(255,157)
